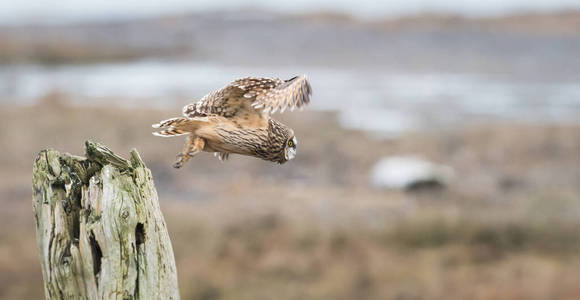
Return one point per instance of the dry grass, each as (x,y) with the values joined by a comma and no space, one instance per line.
(313,228)
(76,44)
(265,257)
(555,23)
(57,51)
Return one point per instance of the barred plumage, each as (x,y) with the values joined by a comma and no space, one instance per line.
(173,122)
(170,132)
(236,119)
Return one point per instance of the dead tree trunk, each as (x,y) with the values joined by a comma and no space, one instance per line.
(99,229)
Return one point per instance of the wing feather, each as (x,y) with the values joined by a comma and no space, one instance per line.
(292,93)
(253,95)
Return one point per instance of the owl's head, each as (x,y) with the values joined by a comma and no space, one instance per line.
(290,148)
(282,143)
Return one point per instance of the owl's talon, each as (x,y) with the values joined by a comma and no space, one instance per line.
(181,159)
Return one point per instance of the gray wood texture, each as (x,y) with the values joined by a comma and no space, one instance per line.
(99,228)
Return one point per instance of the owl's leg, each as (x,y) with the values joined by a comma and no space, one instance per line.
(193,146)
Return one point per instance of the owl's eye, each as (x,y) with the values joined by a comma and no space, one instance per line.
(290,143)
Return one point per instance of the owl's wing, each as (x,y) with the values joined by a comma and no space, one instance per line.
(217,103)
(274,94)
(253,95)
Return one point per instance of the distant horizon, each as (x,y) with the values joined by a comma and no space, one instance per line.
(16,12)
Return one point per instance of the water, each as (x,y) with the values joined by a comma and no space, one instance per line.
(379,101)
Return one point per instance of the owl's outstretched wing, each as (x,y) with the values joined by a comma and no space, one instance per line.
(254,96)
(275,94)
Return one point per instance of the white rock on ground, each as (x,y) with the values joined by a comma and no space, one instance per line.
(409,172)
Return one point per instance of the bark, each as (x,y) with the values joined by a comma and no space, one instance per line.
(99,228)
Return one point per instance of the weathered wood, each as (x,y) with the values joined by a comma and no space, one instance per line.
(99,228)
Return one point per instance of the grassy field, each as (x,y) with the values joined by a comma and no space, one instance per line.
(313,228)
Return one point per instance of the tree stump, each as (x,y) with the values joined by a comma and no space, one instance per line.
(99,228)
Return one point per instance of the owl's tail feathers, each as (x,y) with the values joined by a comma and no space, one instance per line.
(173,127)
(173,122)
(170,132)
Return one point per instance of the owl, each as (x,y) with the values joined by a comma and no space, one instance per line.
(236,120)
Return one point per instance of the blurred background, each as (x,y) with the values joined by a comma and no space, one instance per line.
(439,158)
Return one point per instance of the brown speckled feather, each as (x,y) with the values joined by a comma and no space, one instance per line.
(252,95)
(275,94)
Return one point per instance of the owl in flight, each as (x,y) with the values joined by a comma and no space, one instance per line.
(236,119)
